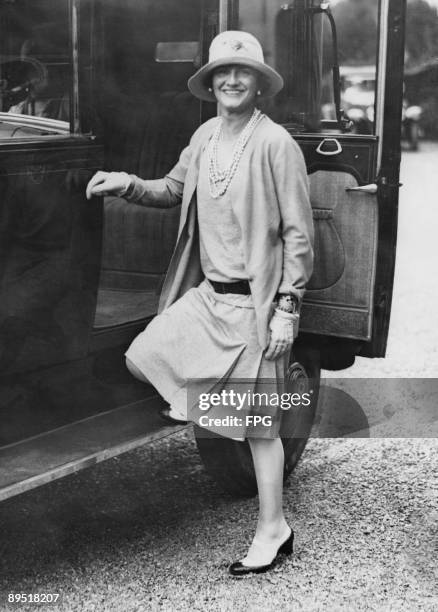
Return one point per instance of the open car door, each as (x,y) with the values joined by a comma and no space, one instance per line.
(353,165)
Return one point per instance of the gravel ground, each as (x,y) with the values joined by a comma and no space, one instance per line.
(151,531)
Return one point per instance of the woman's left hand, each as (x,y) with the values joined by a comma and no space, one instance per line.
(282,334)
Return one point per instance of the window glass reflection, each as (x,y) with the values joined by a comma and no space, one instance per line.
(298,41)
(35,66)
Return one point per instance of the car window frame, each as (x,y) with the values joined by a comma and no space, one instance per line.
(74,129)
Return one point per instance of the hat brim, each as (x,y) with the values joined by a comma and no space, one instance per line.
(199,83)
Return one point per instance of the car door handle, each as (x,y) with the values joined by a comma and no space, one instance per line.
(371,188)
(334,147)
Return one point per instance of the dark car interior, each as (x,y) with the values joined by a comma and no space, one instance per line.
(147,117)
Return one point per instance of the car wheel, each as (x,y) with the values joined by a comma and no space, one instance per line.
(230,462)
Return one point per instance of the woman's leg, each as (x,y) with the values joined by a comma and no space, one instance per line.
(272,529)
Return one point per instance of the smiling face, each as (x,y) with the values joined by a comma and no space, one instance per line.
(235,88)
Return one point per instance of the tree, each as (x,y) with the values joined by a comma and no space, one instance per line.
(421,32)
(356,22)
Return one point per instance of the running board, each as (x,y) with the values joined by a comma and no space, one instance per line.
(35,461)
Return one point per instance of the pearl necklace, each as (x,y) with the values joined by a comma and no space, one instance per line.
(219,180)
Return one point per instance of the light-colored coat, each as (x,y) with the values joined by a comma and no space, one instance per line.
(271,206)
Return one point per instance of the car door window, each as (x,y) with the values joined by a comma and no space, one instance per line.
(298,41)
(35,68)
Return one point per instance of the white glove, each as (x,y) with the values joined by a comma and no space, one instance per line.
(284,329)
(108,183)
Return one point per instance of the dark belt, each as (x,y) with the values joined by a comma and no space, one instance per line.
(241,287)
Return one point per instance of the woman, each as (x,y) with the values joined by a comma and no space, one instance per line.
(230,302)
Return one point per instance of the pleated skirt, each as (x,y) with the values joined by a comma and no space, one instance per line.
(206,343)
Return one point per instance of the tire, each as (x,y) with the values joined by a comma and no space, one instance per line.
(230,462)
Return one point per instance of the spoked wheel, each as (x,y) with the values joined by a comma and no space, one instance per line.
(230,462)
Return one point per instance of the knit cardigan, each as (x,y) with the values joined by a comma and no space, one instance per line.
(272,209)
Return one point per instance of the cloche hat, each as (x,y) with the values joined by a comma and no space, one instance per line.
(234,47)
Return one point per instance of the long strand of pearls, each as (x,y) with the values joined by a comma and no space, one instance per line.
(219,180)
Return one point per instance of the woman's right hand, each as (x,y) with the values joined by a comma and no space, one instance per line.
(108,183)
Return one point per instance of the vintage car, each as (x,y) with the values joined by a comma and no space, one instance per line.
(101,84)
(358,84)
